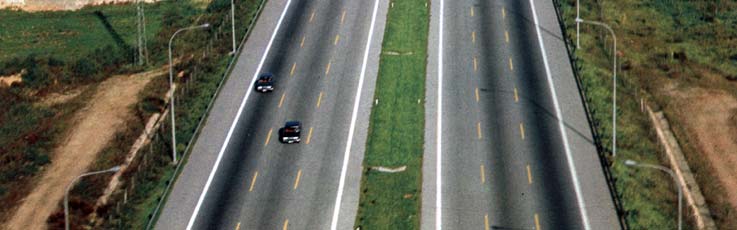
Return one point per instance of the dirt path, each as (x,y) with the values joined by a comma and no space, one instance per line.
(710,118)
(93,127)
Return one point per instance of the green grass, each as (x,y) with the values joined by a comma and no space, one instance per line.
(71,34)
(648,33)
(392,200)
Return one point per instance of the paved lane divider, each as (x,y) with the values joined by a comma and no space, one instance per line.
(253,181)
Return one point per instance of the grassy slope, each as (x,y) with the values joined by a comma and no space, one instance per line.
(70,34)
(648,33)
(392,200)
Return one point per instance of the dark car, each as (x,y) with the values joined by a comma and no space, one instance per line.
(264,83)
(290,133)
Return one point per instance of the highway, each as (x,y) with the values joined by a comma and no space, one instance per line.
(324,55)
(507,142)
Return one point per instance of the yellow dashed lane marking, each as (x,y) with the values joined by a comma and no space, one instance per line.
(516,96)
(522,130)
(312,16)
(286,225)
(478,129)
(291,72)
(472,13)
(483,177)
(238,226)
(327,69)
(337,38)
(529,175)
(506,36)
(268,137)
(475,64)
(511,65)
(309,136)
(473,36)
(537,222)
(486,221)
(253,181)
(477,94)
(342,18)
(281,101)
(319,99)
(296,181)
(302,43)
(504,13)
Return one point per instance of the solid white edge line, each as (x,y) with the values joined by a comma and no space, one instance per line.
(235,122)
(356,103)
(439,146)
(561,125)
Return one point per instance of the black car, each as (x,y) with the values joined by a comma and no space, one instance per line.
(264,83)
(290,133)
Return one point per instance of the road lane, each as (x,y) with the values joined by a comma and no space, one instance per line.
(263,184)
(493,47)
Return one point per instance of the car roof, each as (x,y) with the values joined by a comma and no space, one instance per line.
(267,74)
(292,123)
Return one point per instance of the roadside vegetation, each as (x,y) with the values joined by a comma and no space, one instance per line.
(396,130)
(664,48)
(76,50)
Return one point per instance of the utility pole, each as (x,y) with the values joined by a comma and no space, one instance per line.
(141,23)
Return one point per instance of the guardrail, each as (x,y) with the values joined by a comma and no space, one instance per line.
(604,160)
(155,215)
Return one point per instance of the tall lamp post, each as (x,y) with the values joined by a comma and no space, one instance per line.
(675,179)
(171,84)
(614,81)
(69,187)
(232,23)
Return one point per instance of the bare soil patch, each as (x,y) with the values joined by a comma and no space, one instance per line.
(94,126)
(708,117)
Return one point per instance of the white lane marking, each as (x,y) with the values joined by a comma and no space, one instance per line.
(439,146)
(561,126)
(235,122)
(356,103)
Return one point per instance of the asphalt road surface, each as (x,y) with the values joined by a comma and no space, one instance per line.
(504,110)
(324,55)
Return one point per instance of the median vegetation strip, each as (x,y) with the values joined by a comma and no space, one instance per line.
(392,199)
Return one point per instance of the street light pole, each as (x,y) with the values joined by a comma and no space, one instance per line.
(675,179)
(578,25)
(232,23)
(171,97)
(69,187)
(614,83)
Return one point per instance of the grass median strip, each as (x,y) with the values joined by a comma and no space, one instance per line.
(397,123)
